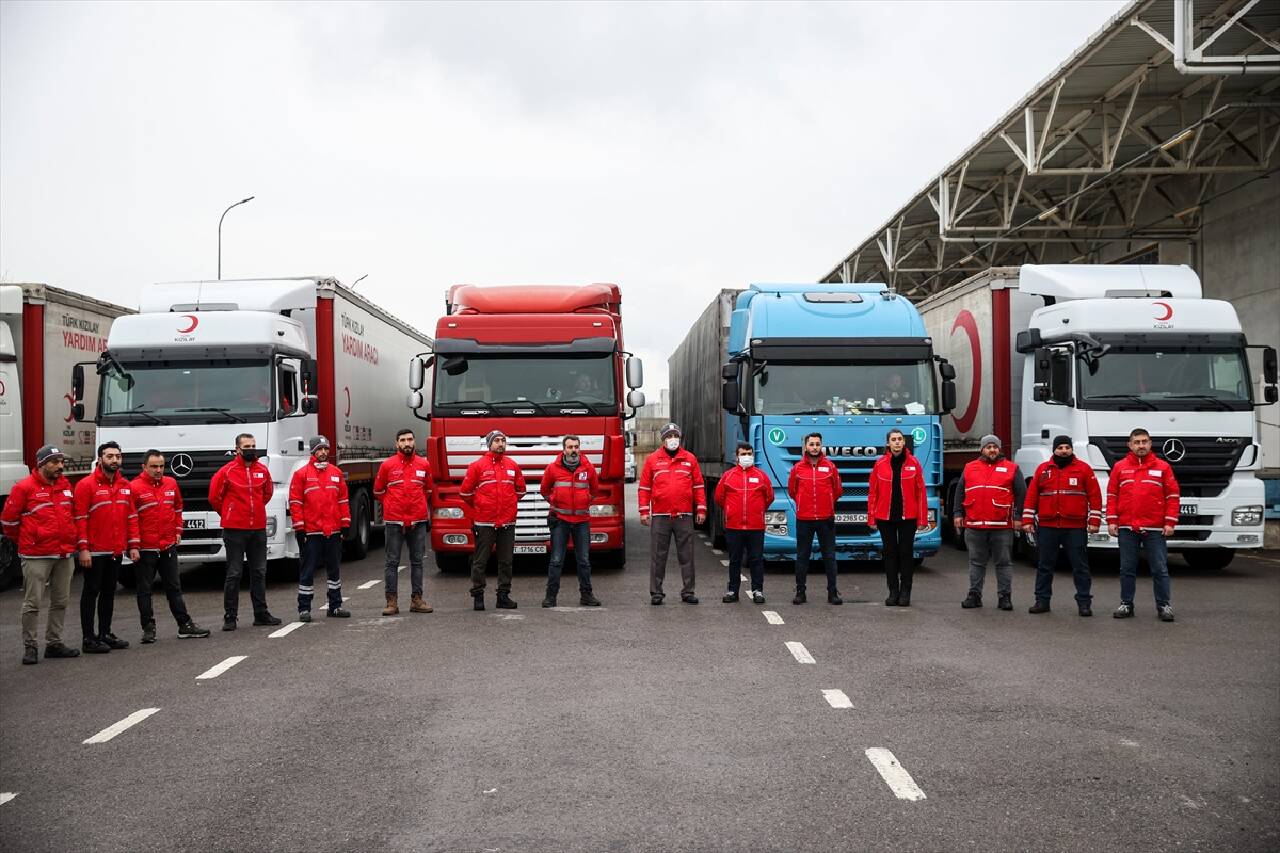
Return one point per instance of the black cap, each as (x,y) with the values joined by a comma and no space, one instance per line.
(1059,440)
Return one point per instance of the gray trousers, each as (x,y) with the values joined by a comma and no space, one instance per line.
(985,545)
(661,529)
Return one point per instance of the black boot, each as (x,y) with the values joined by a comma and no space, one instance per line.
(588,599)
(30,655)
(973,599)
(904,597)
(477,602)
(504,601)
(892,600)
(548,600)
(833,597)
(800,598)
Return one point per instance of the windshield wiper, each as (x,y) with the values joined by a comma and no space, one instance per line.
(1218,401)
(138,410)
(811,412)
(520,403)
(576,404)
(215,410)
(1131,397)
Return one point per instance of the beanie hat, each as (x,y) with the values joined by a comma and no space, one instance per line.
(488,439)
(990,439)
(1059,440)
(318,441)
(670,429)
(44,454)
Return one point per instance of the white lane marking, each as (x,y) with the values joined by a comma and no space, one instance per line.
(716,551)
(116,728)
(724,562)
(567,609)
(368,584)
(743,578)
(772,617)
(6,797)
(894,774)
(219,668)
(285,631)
(799,652)
(1124,741)
(400,569)
(837,699)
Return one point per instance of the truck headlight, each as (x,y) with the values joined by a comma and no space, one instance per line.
(598,510)
(775,517)
(1246,516)
(271,527)
(931,521)
(449,512)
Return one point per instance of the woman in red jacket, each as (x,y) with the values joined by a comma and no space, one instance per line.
(896,505)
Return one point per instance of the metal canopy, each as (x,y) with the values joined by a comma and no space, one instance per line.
(1117,144)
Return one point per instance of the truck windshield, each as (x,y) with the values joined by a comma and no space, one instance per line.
(552,385)
(780,388)
(1204,380)
(188,392)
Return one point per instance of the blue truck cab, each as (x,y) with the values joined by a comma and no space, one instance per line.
(850,361)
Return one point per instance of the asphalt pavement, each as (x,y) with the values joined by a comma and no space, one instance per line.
(632,727)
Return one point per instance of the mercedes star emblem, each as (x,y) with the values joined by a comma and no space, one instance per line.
(181,464)
(1174,450)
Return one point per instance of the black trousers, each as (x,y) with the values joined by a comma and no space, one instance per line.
(825,528)
(98,597)
(502,541)
(897,539)
(166,563)
(245,546)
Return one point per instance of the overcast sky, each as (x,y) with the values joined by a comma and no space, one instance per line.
(672,148)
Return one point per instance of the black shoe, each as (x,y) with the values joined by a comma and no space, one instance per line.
(833,597)
(548,600)
(1166,612)
(892,600)
(338,613)
(1085,609)
(730,597)
(304,615)
(587,599)
(800,598)
(972,600)
(58,650)
(1005,602)
(93,646)
(1124,611)
(689,599)
(1041,606)
(265,619)
(656,600)
(904,598)
(228,623)
(505,602)
(113,641)
(148,635)
(757,596)
(477,602)
(192,630)
(30,655)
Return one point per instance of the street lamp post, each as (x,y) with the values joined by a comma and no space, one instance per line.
(224,216)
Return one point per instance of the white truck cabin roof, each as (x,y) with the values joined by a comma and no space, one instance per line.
(1102,281)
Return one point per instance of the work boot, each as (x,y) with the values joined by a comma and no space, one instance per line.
(689,599)
(548,600)
(477,602)
(1041,606)
(973,599)
(393,605)
(304,615)
(904,598)
(338,613)
(148,635)
(265,618)
(228,623)
(418,605)
(30,655)
(656,600)
(94,646)
(587,599)
(757,597)
(58,650)
(113,641)
(505,601)
(892,600)
(1124,611)
(833,597)
(1085,608)
(1005,602)
(192,630)
(800,598)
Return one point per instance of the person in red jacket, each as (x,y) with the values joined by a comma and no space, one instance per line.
(992,490)
(897,504)
(492,487)
(38,516)
(672,499)
(743,494)
(815,487)
(106,528)
(569,484)
(321,512)
(1143,501)
(404,485)
(1063,500)
(239,493)
(158,502)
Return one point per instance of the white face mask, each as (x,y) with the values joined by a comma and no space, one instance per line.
(672,443)
(746,461)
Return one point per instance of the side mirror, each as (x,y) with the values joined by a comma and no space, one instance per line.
(310,404)
(417,375)
(1271,394)
(948,395)
(77,410)
(635,399)
(77,381)
(947,371)
(1028,340)
(414,400)
(309,374)
(1043,366)
(1269,366)
(730,400)
(729,370)
(635,373)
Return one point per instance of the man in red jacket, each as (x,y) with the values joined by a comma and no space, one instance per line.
(992,491)
(158,502)
(320,511)
(239,493)
(672,499)
(492,487)
(106,528)
(1063,501)
(743,494)
(568,484)
(815,487)
(38,516)
(404,485)
(1143,501)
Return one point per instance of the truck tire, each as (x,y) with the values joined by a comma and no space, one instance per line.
(10,566)
(1209,559)
(357,544)
(449,562)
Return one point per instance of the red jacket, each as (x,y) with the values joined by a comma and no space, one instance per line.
(159,508)
(1063,497)
(492,488)
(915,497)
(993,493)
(106,521)
(39,517)
(318,499)
(239,494)
(570,492)
(815,487)
(744,494)
(405,488)
(671,484)
(1143,495)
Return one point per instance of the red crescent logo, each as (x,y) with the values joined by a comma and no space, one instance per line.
(964,320)
(347,390)
(195,321)
(71,407)
(1168,311)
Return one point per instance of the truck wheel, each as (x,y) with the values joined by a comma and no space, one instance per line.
(448,561)
(1209,559)
(10,567)
(361,528)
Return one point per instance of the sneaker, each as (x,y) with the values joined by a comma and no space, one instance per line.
(113,641)
(30,655)
(58,650)
(1124,611)
(656,600)
(93,646)
(148,635)
(338,613)
(833,597)
(1166,612)
(973,599)
(689,599)
(192,631)
(1040,606)
(588,599)
(800,598)
(1005,602)
(730,597)
(228,623)
(477,602)
(757,597)
(548,600)
(304,615)
(265,618)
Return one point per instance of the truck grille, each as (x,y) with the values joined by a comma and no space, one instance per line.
(1203,472)
(195,484)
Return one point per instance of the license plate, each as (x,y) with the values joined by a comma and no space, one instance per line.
(851,518)
(1189,509)
(530,549)
(193,524)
